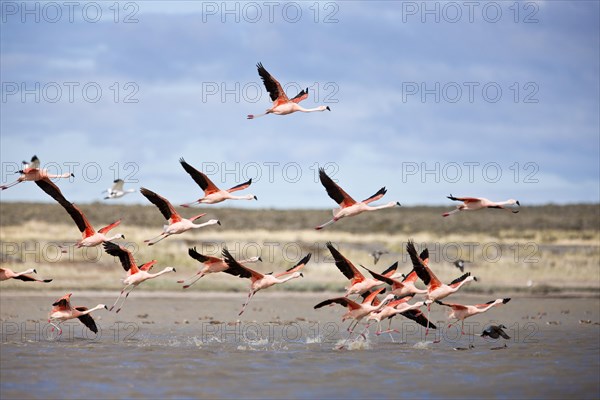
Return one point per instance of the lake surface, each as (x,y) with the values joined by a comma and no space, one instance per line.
(190,346)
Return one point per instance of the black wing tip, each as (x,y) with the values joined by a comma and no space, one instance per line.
(461,278)
(306,259)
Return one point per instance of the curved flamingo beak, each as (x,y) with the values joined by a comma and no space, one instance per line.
(327,108)
(260,259)
(398,204)
(519,204)
(301,274)
(255,198)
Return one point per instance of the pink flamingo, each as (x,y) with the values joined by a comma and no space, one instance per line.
(135,274)
(461,312)
(395,307)
(212,194)
(406,287)
(281,104)
(359,284)
(348,206)
(32,172)
(436,290)
(63,311)
(177,224)
(7,273)
(261,281)
(357,311)
(478,203)
(90,237)
(211,265)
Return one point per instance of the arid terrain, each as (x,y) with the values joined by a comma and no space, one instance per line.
(542,249)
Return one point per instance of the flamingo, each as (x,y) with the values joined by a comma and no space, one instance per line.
(495,331)
(31,172)
(90,237)
(212,194)
(348,207)
(211,265)
(63,311)
(281,104)
(406,287)
(359,284)
(461,312)
(477,203)
(436,290)
(177,224)
(135,274)
(399,306)
(117,190)
(357,311)
(377,255)
(7,273)
(261,281)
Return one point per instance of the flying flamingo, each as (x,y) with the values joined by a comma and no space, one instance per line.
(176,224)
(436,290)
(261,281)
(135,274)
(117,190)
(7,273)
(477,203)
(395,307)
(212,194)
(32,172)
(359,284)
(281,104)
(461,312)
(357,311)
(211,265)
(348,206)
(402,288)
(90,237)
(63,311)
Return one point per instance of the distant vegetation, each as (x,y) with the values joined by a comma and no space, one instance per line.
(406,220)
(543,249)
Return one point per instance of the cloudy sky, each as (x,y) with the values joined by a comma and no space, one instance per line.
(492,99)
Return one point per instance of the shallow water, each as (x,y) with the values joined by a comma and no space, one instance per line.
(174,347)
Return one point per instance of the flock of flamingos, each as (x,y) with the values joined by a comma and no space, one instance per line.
(367,305)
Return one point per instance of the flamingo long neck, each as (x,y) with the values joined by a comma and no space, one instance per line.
(480,310)
(65,175)
(98,307)
(164,271)
(388,205)
(246,197)
(300,108)
(467,280)
(287,278)
(196,226)
(118,236)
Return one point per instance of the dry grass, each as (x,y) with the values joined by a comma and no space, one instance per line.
(555,248)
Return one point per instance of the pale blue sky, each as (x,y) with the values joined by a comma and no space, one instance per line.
(379,66)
